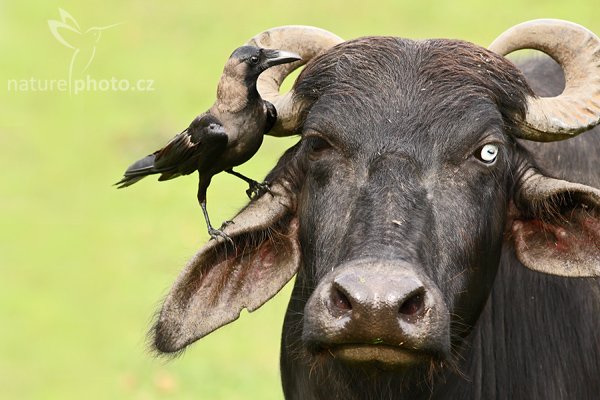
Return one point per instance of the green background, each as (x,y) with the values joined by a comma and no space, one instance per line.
(84,266)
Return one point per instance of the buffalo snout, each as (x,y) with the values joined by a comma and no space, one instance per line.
(374,311)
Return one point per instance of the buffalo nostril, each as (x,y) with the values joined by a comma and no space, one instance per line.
(339,300)
(413,305)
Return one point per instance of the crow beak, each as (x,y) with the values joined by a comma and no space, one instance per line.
(276,57)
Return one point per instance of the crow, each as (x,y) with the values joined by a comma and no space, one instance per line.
(225,136)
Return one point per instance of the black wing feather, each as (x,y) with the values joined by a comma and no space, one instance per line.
(271,116)
(181,155)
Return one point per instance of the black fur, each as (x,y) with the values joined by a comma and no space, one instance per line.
(392,132)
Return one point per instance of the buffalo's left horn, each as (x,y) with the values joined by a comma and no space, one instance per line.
(308,42)
(577,50)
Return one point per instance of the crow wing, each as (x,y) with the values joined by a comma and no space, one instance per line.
(271,116)
(204,138)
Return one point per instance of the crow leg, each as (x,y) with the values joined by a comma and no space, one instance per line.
(214,233)
(256,189)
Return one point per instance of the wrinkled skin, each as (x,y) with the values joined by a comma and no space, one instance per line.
(388,191)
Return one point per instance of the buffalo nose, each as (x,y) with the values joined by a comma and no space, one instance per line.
(404,298)
(377,303)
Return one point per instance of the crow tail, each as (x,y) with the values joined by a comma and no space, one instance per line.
(138,170)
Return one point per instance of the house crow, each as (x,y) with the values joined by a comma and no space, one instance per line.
(226,135)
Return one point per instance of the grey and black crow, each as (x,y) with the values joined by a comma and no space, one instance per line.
(225,136)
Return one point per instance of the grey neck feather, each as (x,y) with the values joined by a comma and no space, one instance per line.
(233,94)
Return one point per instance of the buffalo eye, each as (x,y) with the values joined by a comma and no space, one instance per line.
(487,154)
(317,146)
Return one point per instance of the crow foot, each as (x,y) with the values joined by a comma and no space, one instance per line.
(225,224)
(257,189)
(215,233)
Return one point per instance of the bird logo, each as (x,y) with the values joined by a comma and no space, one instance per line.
(83,43)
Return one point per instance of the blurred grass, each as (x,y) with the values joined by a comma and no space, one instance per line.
(84,266)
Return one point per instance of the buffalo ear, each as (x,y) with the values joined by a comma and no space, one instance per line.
(558,229)
(223,277)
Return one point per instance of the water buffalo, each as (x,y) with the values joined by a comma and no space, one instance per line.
(440,248)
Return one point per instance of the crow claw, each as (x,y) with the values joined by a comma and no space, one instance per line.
(225,224)
(215,233)
(257,189)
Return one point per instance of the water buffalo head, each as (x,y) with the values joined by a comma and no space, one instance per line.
(393,208)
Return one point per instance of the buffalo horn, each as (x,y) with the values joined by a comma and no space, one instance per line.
(577,50)
(308,42)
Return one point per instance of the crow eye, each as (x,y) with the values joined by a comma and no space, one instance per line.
(254,60)
(487,154)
